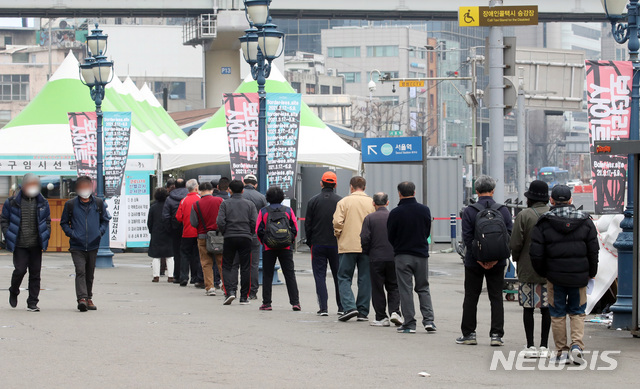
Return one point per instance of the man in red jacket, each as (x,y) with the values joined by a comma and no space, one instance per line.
(189,256)
(203,217)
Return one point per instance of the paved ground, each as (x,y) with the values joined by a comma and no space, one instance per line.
(159,335)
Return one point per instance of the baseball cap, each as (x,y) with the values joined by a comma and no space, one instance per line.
(330,178)
(250,177)
(561,193)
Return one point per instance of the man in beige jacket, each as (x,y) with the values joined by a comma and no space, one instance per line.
(347,225)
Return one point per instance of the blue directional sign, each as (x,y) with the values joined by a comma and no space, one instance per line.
(382,150)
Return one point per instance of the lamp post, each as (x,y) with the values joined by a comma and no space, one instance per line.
(626,33)
(260,46)
(96,72)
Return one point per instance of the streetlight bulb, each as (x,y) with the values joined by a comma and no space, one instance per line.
(257,11)
(614,8)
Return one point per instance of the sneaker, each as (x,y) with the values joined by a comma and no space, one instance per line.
(340,313)
(396,319)
(244,301)
(430,328)
(348,315)
(362,317)
(229,299)
(13,299)
(544,352)
(199,285)
(530,353)
(253,296)
(322,312)
(82,305)
(561,358)
(496,340)
(467,339)
(296,307)
(184,283)
(91,306)
(575,355)
(33,308)
(265,307)
(381,323)
(405,330)
(210,292)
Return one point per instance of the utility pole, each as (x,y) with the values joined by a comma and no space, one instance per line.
(522,136)
(474,113)
(496,106)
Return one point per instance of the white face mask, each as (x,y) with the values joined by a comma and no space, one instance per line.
(85,194)
(32,191)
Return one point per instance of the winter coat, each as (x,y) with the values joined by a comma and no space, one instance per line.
(469,228)
(11,217)
(409,227)
(318,223)
(564,247)
(263,216)
(171,208)
(250,193)
(374,238)
(85,225)
(521,241)
(183,215)
(204,214)
(347,221)
(160,245)
(237,217)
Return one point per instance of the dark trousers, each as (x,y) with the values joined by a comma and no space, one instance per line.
(176,238)
(241,246)
(190,260)
(473,278)
(256,250)
(408,269)
(285,256)
(383,276)
(85,263)
(23,259)
(320,257)
(217,279)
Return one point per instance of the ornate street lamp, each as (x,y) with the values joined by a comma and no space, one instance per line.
(626,32)
(96,72)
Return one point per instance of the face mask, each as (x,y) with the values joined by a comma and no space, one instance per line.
(85,194)
(32,191)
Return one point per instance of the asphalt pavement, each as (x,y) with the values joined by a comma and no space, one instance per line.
(148,335)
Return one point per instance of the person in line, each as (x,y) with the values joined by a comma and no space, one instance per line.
(347,225)
(409,227)
(276,224)
(375,243)
(177,191)
(84,220)
(564,249)
(190,258)
(532,290)
(251,193)
(475,271)
(221,190)
(318,227)
(160,245)
(26,226)
(203,218)
(237,222)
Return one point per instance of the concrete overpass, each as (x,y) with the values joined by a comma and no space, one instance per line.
(550,10)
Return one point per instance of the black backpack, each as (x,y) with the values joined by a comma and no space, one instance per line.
(491,238)
(277,230)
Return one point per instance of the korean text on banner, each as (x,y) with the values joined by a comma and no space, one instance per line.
(241,111)
(118,223)
(84,140)
(609,110)
(137,209)
(117,133)
(283,131)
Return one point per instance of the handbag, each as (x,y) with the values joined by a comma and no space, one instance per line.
(214,240)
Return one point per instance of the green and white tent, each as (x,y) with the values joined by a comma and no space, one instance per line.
(317,145)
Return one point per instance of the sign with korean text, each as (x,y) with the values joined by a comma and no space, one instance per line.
(609,110)
(84,141)
(526,15)
(118,222)
(411,84)
(241,111)
(283,131)
(136,209)
(383,150)
(117,133)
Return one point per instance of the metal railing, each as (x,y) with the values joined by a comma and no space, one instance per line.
(198,30)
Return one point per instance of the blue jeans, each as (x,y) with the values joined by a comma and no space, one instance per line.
(348,264)
(566,301)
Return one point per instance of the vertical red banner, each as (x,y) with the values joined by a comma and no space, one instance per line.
(609,110)
(241,111)
(85,142)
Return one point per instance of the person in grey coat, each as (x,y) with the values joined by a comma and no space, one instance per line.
(251,193)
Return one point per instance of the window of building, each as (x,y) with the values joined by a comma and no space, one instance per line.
(177,89)
(391,100)
(296,86)
(8,40)
(5,117)
(350,77)
(344,52)
(337,90)
(14,87)
(376,76)
(586,32)
(20,57)
(382,51)
(311,89)
(325,90)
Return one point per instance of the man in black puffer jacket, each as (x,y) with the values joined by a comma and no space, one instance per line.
(564,249)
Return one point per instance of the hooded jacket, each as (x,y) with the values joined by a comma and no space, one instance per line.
(12,215)
(85,225)
(171,207)
(521,242)
(564,247)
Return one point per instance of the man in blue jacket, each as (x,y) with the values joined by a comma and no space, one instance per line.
(26,225)
(84,220)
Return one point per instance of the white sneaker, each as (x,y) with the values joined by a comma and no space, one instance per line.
(561,358)
(380,323)
(210,292)
(396,319)
(530,352)
(544,353)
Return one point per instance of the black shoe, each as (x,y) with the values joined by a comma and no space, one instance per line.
(244,301)
(348,315)
(199,285)
(82,305)
(183,283)
(176,281)
(322,312)
(430,327)
(253,296)
(467,339)
(13,299)
(33,308)
(496,340)
(362,317)
(229,299)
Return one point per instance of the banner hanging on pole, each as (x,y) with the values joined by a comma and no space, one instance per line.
(283,132)
(609,110)
(241,111)
(85,144)
(117,135)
